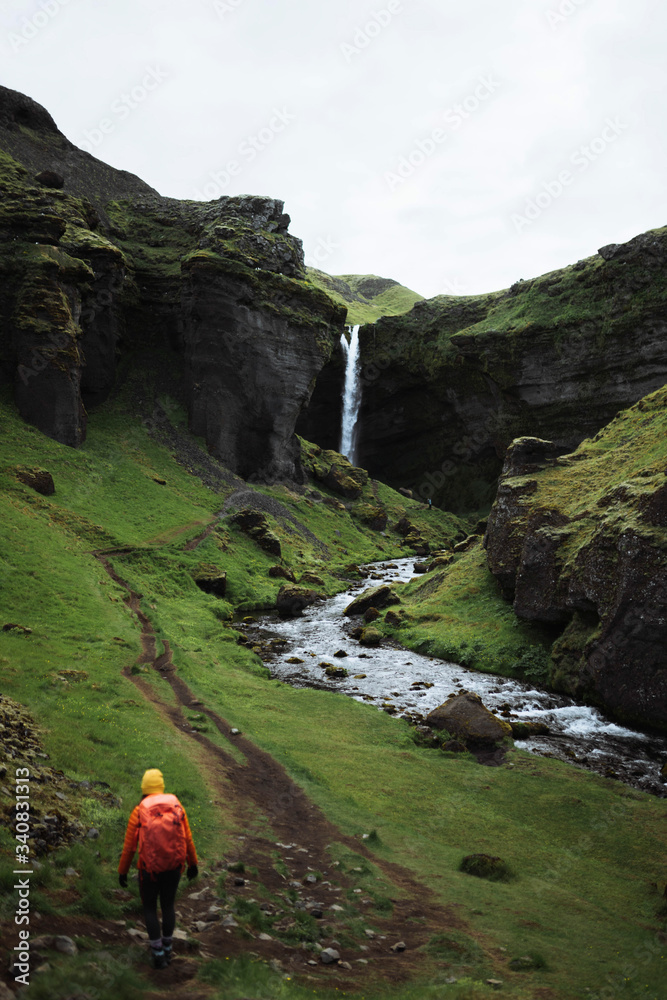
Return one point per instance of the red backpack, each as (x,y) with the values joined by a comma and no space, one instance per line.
(162,843)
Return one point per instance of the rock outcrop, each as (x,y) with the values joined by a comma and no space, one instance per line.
(376,597)
(98,268)
(580,542)
(465,717)
(447,386)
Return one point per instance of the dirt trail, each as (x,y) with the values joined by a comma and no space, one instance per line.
(259,787)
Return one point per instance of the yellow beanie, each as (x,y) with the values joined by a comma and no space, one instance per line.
(152,782)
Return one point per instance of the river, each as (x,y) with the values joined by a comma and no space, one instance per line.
(404,683)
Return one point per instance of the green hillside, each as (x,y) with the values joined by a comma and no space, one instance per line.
(365,296)
(125,663)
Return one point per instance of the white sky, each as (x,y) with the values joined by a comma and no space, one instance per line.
(320,102)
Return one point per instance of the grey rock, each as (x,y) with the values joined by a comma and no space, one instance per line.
(329,955)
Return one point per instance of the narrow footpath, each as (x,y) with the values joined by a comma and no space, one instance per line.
(256,792)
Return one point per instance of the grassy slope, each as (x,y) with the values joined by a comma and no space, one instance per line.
(365,306)
(584,850)
(562,303)
(458,613)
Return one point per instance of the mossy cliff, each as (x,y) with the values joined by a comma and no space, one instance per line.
(449,384)
(580,541)
(99,271)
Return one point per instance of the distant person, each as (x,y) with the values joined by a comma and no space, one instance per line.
(160,827)
(430,503)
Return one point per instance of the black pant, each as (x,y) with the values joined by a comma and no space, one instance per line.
(164,886)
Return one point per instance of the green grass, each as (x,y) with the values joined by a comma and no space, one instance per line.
(365,296)
(584,851)
(459,614)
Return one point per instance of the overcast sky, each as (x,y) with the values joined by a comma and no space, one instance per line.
(455,147)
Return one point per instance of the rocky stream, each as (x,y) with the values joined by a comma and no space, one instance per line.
(408,684)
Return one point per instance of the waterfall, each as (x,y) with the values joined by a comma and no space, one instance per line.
(351,395)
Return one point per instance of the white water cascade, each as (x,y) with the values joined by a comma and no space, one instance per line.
(351,395)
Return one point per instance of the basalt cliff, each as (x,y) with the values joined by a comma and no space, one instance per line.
(100,274)
(105,284)
(448,385)
(579,542)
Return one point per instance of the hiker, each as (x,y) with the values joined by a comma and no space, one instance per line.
(160,826)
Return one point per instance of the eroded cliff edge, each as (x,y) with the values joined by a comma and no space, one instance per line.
(447,386)
(97,269)
(580,540)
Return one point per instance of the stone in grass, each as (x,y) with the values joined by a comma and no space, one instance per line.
(38,480)
(371,615)
(527,963)
(65,945)
(329,955)
(486,866)
(282,571)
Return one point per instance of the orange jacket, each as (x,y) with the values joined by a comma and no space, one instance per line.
(132,839)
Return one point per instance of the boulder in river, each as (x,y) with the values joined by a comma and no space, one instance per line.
(524,730)
(465,717)
(370,637)
(291,600)
(376,597)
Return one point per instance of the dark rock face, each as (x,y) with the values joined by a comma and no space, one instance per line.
(254,524)
(249,371)
(447,386)
(216,585)
(582,545)
(97,267)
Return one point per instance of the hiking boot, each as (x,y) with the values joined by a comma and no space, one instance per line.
(159,959)
(168,953)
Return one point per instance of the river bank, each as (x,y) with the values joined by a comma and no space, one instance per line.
(405,683)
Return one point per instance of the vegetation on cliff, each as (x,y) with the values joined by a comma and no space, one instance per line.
(126,562)
(365,296)
(449,384)
(144,496)
(570,588)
